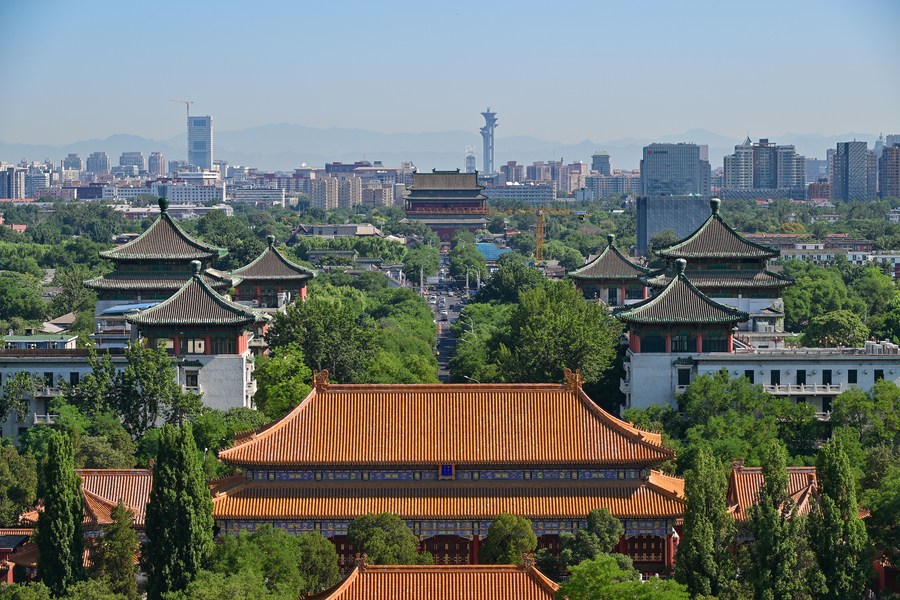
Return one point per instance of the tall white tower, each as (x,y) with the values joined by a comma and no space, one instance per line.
(487,134)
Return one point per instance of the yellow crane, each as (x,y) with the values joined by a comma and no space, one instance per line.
(540,220)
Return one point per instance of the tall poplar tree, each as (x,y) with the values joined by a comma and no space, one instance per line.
(116,549)
(179,519)
(705,563)
(59,534)
(837,534)
(774,572)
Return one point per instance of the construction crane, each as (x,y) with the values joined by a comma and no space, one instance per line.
(540,220)
(187,105)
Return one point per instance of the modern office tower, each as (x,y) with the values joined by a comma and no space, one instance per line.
(764,165)
(682,214)
(12,182)
(98,163)
(487,135)
(470,159)
(600,163)
(73,162)
(871,175)
(850,177)
(889,172)
(512,172)
(37,181)
(879,146)
(200,142)
(133,159)
(538,171)
(891,140)
(674,170)
(816,169)
(156,165)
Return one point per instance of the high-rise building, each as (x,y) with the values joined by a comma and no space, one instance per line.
(600,163)
(850,176)
(538,171)
(680,214)
(98,163)
(12,182)
(674,170)
(37,181)
(487,135)
(816,169)
(512,172)
(889,172)
(764,166)
(200,142)
(73,162)
(133,159)
(156,165)
(470,159)
(891,140)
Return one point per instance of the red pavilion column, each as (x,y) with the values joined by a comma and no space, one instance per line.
(670,551)
(634,342)
(699,342)
(473,550)
(622,291)
(646,292)
(668,343)
(207,345)
(730,347)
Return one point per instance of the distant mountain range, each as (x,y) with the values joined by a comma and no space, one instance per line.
(283,146)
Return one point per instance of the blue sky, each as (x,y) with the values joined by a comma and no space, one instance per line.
(562,71)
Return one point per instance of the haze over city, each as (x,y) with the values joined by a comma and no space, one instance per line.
(588,70)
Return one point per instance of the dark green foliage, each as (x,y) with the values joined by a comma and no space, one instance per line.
(552,329)
(18,483)
(612,577)
(95,589)
(874,416)
(507,539)
(243,585)
(20,297)
(884,521)
(179,520)
(424,260)
(290,565)
(512,277)
(283,380)
(464,256)
(602,534)
(836,328)
(147,389)
(704,560)
(232,234)
(837,534)
(115,553)
(34,591)
(15,394)
(386,540)
(59,533)
(776,530)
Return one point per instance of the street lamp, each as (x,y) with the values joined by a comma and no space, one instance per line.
(472,379)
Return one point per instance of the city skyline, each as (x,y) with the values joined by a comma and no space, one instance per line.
(611,73)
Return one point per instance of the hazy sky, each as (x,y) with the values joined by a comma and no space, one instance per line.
(562,71)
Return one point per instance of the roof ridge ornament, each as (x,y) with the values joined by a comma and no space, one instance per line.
(714,205)
(362,561)
(680,266)
(611,239)
(163,205)
(271,240)
(528,561)
(574,380)
(320,380)
(196,266)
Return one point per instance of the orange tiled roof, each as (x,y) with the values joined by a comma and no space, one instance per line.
(745,483)
(440,582)
(258,500)
(492,424)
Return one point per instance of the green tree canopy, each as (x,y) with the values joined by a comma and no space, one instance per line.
(283,380)
(837,534)
(612,576)
(704,562)
(507,539)
(18,483)
(115,553)
(59,533)
(840,327)
(386,540)
(179,521)
(602,534)
(512,276)
(874,416)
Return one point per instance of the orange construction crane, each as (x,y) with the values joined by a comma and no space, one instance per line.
(540,220)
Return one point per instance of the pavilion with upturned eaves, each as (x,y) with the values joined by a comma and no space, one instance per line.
(209,336)
(448,459)
(611,277)
(148,270)
(733,270)
(271,280)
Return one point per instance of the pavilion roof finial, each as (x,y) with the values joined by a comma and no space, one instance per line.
(320,380)
(196,266)
(574,380)
(680,266)
(715,204)
(611,239)
(271,240)
(163,205)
